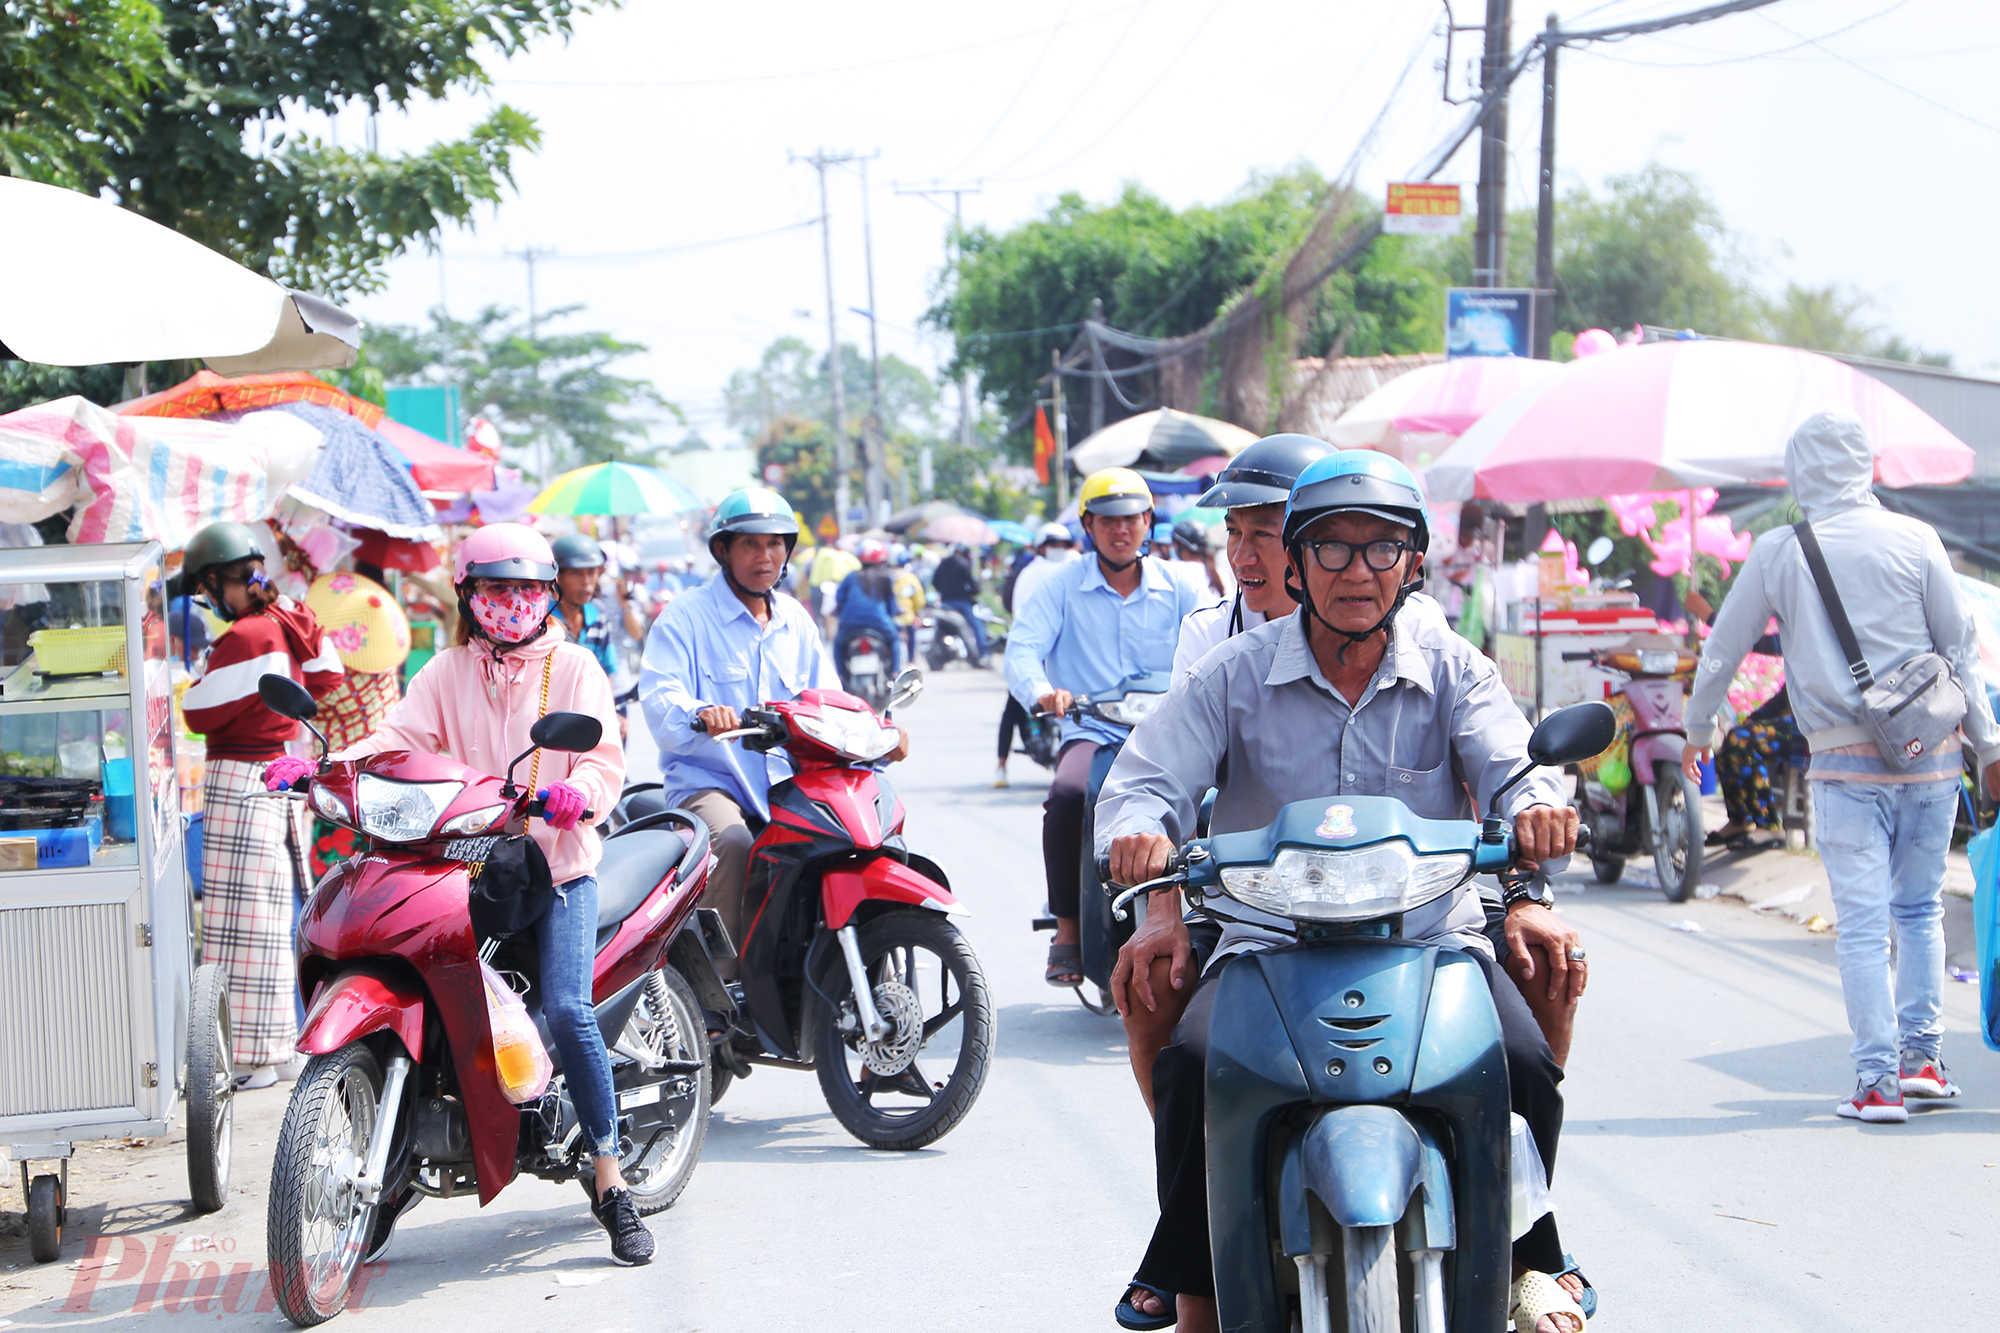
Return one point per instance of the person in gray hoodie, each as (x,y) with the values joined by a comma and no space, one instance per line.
(1882,834)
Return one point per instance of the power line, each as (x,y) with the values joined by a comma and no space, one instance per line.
(1087,87)
(1884,78)
(1019,93)
(1131,106)
(627,255)
(815,73)
(1754,55)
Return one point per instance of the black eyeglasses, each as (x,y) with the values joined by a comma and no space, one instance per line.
(1334,556)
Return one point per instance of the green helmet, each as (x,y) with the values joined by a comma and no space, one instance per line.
(754,509)
(577,551)
(218,544)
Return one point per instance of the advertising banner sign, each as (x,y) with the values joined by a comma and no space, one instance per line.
(1488,321)
(1420,208)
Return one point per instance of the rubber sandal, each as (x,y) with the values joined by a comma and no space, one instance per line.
(1537,1294)
(1129,1315)
(1588,1301)
(1065,960)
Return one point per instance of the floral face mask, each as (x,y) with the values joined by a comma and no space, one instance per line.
(513,616)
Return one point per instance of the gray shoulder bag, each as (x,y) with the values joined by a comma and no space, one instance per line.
(1912,710)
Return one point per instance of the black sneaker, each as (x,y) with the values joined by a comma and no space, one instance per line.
(631,1242)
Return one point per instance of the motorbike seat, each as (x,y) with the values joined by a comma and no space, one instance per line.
(633,865)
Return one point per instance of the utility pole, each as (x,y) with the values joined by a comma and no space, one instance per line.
(1545,204)
(1097,364)
(820,161)
(529,256)
(875,478)
(957,193)
(1062,431)
(1489,237)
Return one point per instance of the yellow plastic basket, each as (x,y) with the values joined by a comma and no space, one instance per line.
(79,652)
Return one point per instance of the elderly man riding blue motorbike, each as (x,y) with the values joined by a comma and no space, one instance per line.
(1395,705)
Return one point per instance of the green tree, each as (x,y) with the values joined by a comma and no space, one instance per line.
(183,113)
(540,388)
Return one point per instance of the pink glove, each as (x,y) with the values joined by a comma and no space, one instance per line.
(562,806)
(282,772)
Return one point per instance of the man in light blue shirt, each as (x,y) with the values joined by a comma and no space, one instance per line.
(716,651)
(1090,625)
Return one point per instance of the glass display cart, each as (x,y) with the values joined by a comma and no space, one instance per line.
(105,1022)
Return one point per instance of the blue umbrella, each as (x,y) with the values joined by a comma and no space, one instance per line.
(1007,530)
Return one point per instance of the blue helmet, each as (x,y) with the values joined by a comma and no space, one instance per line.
(1357,481)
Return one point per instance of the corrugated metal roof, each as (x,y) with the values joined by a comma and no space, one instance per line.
(1966,405)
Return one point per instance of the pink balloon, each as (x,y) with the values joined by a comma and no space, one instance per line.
(1593,341)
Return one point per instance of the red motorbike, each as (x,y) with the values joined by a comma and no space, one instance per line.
(403,1096)
(849,964)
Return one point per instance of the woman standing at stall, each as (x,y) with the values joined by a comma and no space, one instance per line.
(252,853)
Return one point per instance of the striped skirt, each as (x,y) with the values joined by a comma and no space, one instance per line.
(248,876)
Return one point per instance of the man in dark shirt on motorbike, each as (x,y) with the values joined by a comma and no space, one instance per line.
(1404,708)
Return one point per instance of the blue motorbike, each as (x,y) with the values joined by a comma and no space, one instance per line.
(1124,705)
(1358,1133)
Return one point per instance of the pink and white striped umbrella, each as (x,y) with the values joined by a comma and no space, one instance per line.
(1667,416)
(1417,415)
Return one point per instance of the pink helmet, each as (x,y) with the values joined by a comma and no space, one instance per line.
(872,551)
(504,551)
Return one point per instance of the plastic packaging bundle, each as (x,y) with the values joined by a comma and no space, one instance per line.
(518,1054)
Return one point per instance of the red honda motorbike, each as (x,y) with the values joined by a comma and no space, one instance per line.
(403,1095)
(849,964)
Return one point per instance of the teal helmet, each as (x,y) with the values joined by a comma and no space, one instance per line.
(1357,481)
(753,509)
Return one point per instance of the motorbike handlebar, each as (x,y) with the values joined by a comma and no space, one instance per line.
(538,809)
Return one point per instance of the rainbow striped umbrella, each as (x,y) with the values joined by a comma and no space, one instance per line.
(614,488)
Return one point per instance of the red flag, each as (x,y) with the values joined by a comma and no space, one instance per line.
(1045,446)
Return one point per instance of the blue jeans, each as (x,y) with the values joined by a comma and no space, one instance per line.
(567,936)
(1883,845)
(972,621)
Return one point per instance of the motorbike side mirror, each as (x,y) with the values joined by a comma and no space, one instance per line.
(1564,737)
(905,689)
(286,697)
(572,733)
(1599,552)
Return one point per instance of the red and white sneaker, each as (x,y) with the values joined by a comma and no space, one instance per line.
(1924,1076)
(1879,1103)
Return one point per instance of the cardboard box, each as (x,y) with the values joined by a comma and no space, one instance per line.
(19,853)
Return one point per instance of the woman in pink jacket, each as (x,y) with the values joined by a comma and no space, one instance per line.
(475,702)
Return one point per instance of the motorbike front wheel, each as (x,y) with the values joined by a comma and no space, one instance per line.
(928,985)
(316,1225)
(1677,842)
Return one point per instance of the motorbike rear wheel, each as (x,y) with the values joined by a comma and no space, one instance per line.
(926,982)
(667,1025)
(1677,842)
(316,1225)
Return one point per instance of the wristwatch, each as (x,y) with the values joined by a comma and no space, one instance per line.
(1525,888)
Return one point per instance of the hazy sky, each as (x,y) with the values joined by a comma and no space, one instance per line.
(1848,140)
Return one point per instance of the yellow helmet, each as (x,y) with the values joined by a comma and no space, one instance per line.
(1114,492)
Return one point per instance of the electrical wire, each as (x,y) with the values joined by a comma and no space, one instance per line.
(1883,78)
(1130,107)
(1754,55)
(815,73)
(621,256)
(1088,86)
(1019,93)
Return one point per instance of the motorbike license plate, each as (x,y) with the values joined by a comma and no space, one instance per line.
(645,1096)
(865,664)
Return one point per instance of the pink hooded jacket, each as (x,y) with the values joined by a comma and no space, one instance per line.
(476,708)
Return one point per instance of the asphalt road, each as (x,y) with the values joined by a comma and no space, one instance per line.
(1703,1179)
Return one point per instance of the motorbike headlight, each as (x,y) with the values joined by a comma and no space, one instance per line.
(1659,661)
(856,735)
(402,811)
(329,806)
(1129,711)
(473,822)
(1359,885)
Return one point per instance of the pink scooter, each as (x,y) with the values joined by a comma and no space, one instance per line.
(1657,809)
